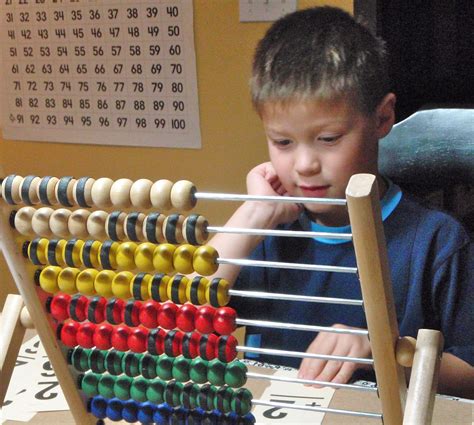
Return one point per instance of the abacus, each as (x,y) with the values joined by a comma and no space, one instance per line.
(136,331)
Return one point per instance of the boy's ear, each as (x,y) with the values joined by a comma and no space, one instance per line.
(385,115)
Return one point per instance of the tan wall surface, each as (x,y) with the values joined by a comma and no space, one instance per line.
(232,139)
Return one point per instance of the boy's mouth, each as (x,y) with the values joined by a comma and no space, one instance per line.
(314,191)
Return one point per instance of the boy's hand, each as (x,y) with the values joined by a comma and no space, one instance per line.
(263,180)
(338,345)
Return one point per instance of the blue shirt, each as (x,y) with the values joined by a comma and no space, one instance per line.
(431,263)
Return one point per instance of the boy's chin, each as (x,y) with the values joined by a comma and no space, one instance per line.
(328,215)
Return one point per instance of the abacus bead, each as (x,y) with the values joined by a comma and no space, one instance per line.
(23,219)
(242,401)
(190,345)
(163,258)
(223,399)
(114,311)
(156,341)
(217,293)
(188,398)
(47,190)
(108,255)
(183,258)
(160,194)
(206,396)
(158,287)
(37,251)
(106,386)
(120,193)
(167,315)
(121,285)
(126,255)
(90,254)
(96,224)
(140,193)
(146,411)
(139,286)
(405,351)
(113,361)
(177,289)
(198,370)
(131,364)
(79,359)
(68,332)
(115,226)
(216,372)
(89,383)
(131,313)
(85,281)
(173,228)
(85,335)
(122,387)
(119,338)
(130,411)
(114,409)
(173,343)
(235,374)
(133,226)
(147,366)
(137,341)
(102,336)
(11,189)
(72,252)
(205,260)
(97,361)
(59,307)
(58,222)
(204,319)
(172,393)
(54,252)
(78,308)
(153,228)
(67,280)
(164,367)
(195,229)
(29,190)
(48,279)
(226,348)
(98,407)
(100,192)
(96,309)
(81,191)
(144,256)
(77,223)
(207,346)
(196,290)
(103,283)
(163,414)
(180,369)
(155,390)
(185,317)
(64,191)
(40,222)
(149,314)
(182,195)
(225,320)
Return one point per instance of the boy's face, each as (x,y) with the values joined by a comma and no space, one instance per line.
(316,146)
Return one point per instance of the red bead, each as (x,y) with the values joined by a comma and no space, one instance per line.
(173,343)
(137,340)
(96,309)
(185,317)
(102,336)
(119,338)
(78,308)
(85,335)
(208,346)
(226,348)
(204,319)
(156,341)
(190,345)
(167,315)
(59,307)
(224,320)
(148,314)
(131,313)
(114,311)
(68,333)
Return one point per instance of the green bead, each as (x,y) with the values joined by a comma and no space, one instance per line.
(242,401)
(189,395)
(106,386)
(198,370)
(138,389)
(122,387)
(80,359)
(89,384)
(155,391)
(216,372)
(113,362)
(235,374)
(131,364)
(148,366)
(206,396)
(180,370)
(164,367)
(172,393)
(223,399)
(97,361)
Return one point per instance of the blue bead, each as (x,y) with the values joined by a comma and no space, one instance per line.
(130,411)
(114,409)
(162,414)
(98,407)
(145,412)
(249,419)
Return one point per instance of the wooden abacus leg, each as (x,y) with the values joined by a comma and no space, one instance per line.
(12,332)
(424,377)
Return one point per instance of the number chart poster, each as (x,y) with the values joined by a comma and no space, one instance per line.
(114,72)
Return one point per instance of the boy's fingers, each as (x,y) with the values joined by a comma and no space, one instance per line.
(322,344)
(345,373)
(310,368)
(330,370)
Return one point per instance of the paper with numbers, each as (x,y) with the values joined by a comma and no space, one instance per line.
(114,72)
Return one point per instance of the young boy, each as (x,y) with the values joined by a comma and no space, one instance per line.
(321,89)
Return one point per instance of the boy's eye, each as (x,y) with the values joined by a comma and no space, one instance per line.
(284,142)
(328,139)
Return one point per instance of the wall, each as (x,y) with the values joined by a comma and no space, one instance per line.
(232,139)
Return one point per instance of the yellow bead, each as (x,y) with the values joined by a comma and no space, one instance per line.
(75,254)
(41,249)
(158,287)
(67,280)
(205,260)
(48,279)
(177,289)
(85,281)
(58,252)
(103,283)
(126,255)
(144,256)
(217,292)
(139,286)
(111,257)
(121,285)
(93,254)
(183,259)
(163,258)
(196,290)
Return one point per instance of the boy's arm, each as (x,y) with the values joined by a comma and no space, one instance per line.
(456,377)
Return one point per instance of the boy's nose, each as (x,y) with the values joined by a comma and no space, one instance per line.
(307,163)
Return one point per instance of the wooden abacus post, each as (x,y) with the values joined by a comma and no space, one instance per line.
(369,242)
(23,281)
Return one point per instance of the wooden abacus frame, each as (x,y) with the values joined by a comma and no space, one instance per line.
(369,242)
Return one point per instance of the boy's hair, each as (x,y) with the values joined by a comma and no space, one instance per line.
(320,53)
